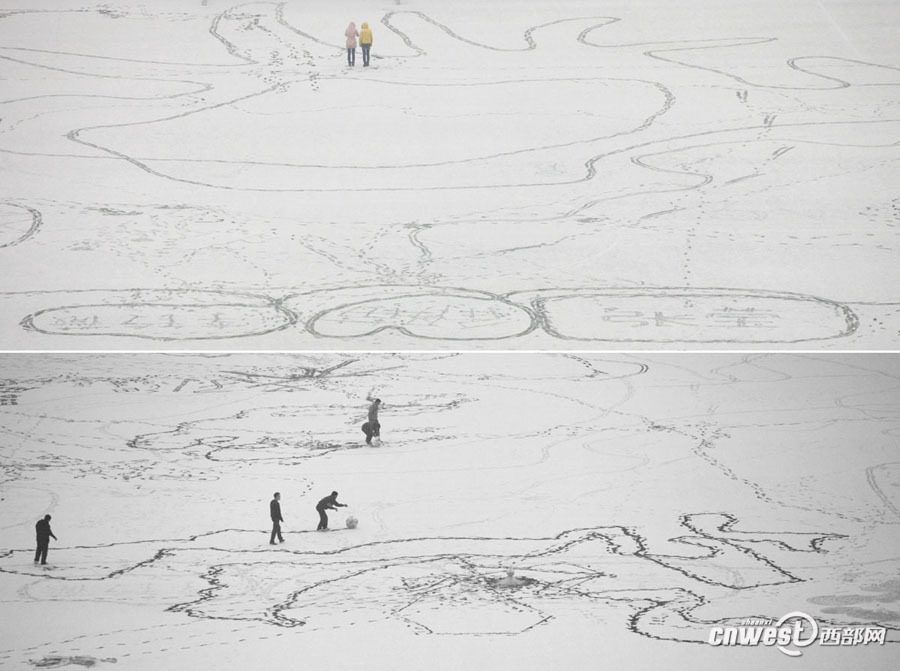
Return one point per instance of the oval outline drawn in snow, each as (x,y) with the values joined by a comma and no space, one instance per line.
(725,324)
(313,322)
(284,317)
(36,221)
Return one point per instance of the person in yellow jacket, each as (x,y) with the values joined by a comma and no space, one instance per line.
(365,41)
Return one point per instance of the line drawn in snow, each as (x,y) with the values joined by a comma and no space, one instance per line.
(675,186)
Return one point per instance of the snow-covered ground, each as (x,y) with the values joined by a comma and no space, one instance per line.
(641,500)
(515,175)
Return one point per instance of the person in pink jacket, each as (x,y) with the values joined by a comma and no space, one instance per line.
(351,34)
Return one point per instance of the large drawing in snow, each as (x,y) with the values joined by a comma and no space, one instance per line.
(639,501)
(536,176)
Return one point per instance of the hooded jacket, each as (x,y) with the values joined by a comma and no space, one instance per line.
(351,34)
(365,35)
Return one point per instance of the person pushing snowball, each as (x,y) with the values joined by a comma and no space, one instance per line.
(330,502)
(372,428)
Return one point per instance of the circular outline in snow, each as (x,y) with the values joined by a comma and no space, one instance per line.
(401,328)
(287,317)
(539,305)
(36,221)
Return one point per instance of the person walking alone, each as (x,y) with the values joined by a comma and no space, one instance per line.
(351,34)
(365,41)
(328,503)
(44,534)
(275,514)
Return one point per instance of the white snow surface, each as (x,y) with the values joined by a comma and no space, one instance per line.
(514,175)
(639,499)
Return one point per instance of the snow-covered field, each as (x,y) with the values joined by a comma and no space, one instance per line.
(514,175)
(559,176)
(640,500)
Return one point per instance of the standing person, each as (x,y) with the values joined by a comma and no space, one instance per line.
(44,534)
(365,41)
(275,514)
(372,427)
(351,34)
(328,503)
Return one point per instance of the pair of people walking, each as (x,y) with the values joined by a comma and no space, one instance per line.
(365,42)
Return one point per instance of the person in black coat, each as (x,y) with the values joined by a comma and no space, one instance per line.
(44,534)
(275,514)
(372,428)
(328,503)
